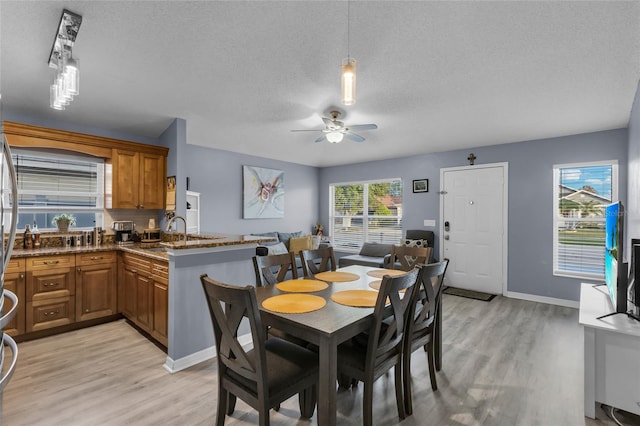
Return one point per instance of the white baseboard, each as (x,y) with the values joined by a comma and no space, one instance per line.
(173,366)
(543,299)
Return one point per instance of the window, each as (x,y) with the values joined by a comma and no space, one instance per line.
(581,192)
(51,183)
(365,212)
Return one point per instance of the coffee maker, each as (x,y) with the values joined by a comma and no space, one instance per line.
(124,231)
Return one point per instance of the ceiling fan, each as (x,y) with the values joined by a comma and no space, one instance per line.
(335,131)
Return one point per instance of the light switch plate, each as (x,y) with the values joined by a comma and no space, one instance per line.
(429,222)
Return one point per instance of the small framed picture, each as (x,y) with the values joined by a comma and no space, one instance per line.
(421,185)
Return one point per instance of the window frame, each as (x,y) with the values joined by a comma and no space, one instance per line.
(557,219)
(366,217)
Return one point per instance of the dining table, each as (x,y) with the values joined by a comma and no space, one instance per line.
(327,327)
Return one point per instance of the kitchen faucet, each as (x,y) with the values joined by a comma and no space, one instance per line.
(173,219)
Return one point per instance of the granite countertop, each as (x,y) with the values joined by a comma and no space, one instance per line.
(153,250)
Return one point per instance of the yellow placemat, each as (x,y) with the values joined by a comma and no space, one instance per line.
(294,303)
(337,276)
(302,286)
(357,298)
(379,273)
(376,285)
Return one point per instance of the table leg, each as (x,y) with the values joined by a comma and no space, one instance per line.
(589,372)
(327,382)
(438,336)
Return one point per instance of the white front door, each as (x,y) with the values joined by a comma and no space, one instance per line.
(473,228)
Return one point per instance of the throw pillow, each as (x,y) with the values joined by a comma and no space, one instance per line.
(300,243)
(416,243)
(286,236)
(315,242)
(277,248)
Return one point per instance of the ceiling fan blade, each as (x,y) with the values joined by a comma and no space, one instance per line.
(322,138)
(363,127)
(353,137)
(327,121)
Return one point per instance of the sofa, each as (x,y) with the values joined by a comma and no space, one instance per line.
(378,255)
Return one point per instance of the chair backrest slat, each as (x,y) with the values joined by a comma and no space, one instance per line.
(409,257)
(385,341)
(324,257)
(228,306)
(430,286)
(273,269)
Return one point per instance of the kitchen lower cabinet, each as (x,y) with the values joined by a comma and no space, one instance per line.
(160,278)
(14,281)
(50,292)
(96,282)
(145,298)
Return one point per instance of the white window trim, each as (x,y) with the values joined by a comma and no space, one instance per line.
(556,199)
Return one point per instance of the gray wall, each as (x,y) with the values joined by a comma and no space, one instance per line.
(530,196)
(217,175)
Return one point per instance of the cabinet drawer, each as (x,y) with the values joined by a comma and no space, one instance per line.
(58,282)
(139,263)
(50,313)
(16,265)
(160,269)
(87,259)
(48,262)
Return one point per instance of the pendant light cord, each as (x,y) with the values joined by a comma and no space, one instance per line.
(348,30)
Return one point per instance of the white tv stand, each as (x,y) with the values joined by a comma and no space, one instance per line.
(611,354)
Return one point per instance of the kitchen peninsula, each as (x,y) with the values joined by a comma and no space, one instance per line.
(70,287)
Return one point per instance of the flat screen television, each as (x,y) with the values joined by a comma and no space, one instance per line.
(633,291)
(615,270)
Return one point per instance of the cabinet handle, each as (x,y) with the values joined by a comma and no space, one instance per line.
(135,271)
(79,270)
(22,276)
(86,310)
(141,206)
(52,284)
(51,262)
(46,314)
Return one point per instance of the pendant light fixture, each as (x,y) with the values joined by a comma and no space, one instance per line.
(348,69)
(66,83)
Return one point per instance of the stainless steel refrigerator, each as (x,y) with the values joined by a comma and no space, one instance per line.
(8,221)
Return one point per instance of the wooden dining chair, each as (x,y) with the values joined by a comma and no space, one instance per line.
(273,269)
(406,258)
(422,324)
(316,261)
(384,341)
(272,371)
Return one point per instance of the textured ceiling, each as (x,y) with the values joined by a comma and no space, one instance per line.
(434,76)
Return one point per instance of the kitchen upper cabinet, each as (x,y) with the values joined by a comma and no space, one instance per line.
(137,180)
(96,281)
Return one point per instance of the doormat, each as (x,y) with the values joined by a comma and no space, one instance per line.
(470,294)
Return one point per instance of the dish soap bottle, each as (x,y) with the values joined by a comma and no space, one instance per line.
(36,236)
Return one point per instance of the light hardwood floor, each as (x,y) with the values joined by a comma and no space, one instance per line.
(506,362)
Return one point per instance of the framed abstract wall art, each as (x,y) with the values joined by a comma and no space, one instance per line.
(263,193)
